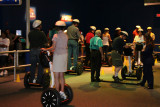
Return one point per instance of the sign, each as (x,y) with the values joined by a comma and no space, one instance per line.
(66,18)
(32,13)
(10,2)
(151,2)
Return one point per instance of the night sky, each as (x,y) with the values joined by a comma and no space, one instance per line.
(100,13)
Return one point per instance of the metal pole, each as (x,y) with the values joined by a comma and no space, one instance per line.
(15,64)
(27,22)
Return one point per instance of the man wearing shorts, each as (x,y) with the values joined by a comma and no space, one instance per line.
(118,45)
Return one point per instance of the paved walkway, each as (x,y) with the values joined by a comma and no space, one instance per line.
(86,94)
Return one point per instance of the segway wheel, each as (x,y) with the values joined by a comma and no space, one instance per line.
(69,93)
(45,80)
(26,80)
(123,72)
(139,73)
(79,69)
(50,98)
(133,64)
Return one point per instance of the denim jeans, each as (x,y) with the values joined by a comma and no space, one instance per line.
(72,49)
(34,59)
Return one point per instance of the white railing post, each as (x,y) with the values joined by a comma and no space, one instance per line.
(15,64)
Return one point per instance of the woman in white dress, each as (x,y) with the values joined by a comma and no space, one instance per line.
(60,41)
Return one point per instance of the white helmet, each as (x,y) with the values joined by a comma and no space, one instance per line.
(36,23)
(76,20)
(140,30)
(93,27)
(138,27)
(118,28)
(149,28)
(106,28)
(60,23)
(124,33)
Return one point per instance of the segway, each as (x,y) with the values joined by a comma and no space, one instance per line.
(45,81)
(136,69)
(108,60)
(78,70)
(51,97)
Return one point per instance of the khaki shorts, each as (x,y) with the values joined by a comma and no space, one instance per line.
(116,58)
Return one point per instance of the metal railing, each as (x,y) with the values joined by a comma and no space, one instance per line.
(16,61)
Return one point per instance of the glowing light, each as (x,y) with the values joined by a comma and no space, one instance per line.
(66,18)
(158,15)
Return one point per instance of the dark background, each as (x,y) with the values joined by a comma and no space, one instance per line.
(100,13)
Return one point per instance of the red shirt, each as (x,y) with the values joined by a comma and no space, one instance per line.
(89,35)
(135,32)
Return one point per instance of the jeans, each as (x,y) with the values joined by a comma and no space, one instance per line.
(72,49)
(34,59)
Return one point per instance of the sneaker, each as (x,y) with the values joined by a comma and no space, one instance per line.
(34,81)
(1,74)
(63,95)
(5,72)
(72,68)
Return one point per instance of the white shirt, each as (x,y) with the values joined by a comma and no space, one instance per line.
(6,42)
(139,39)
(105,40)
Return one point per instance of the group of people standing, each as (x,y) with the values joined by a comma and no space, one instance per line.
(7,43)
(65,44)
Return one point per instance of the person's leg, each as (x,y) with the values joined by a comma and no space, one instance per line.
(40,68)
(117,69)
(130,64)
(93,64)
(75,54)
(142,83)
(69,54)
(33,61)
(150,78)
(57,79)
(62,81)
(98,65)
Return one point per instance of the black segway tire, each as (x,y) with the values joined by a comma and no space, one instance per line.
(79,69)
(50,98)
(26,80)
(123,72)
(133,64)
(45,80)
(69,93)
(139,73)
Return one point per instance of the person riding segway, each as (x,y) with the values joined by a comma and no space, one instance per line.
(62,93)
(118,45)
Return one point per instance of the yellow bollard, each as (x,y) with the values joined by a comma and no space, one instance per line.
(102,72)
(18,78)
(47,71)
(113,68)
(155,61)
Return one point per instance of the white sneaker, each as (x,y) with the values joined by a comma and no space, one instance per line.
(5,72)
(63,95)
(1,74)
(34,81)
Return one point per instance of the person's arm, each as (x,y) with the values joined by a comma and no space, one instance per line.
(109,37)
(101,51)
(100,44)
